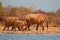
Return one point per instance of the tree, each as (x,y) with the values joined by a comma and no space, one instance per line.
(0,5)
(21,12)
(58,12)
(1,9)
(12,12)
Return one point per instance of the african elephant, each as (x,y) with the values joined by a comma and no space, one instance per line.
(9,22)
(38,19)
(19,24)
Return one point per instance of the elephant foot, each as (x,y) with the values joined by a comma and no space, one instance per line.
(3,29)
(29,30)
(36,29)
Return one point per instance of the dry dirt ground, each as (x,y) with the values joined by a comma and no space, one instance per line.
(51,30)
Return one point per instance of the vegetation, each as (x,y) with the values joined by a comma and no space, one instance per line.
(21,12)
(58,12)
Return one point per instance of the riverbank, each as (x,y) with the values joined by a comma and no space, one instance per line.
(50,30)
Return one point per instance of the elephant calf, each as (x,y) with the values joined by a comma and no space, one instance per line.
(19,24)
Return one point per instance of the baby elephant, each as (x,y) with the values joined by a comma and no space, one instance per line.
(20,25)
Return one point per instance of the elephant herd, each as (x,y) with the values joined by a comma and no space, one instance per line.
(30,19)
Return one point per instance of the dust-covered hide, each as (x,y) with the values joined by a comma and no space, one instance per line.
(19,24)
(9,21)
(38,19)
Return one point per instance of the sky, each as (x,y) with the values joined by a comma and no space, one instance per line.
(45,5)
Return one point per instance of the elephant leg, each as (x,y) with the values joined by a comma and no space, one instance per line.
(28,27)
(12,28)
(22,28)
(19,28)
(37,27)
(41,23)
(4,28)
(42,27)
(7,28)
(47,24)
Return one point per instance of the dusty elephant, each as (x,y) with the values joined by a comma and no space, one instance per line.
(19,24)
(38,19)
(9,21)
